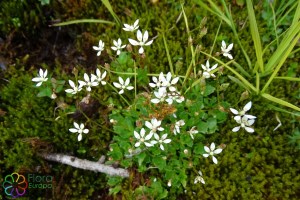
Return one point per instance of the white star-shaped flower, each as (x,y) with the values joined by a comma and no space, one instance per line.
(88,83)
(178,124)
(99,48)
(154,125)
(118,46)
(199,178)
(99,77)
(142,41)
(133,27)
(193,131)
(158,82)
(211,152)
(226,50)
(241,113)
(123,85)
(244,122)
(141,138)
(40,78)
(207,70)
(161,141)
(174,96)
(74,89)
(169,83)
(79,129)
(160,95)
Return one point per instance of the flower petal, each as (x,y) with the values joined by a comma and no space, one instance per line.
(215,160)
(212,146)
(236,129)
(217,151)
(234,111)
(247,106)
(206,149)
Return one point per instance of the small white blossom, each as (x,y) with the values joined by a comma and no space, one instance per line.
(244,122)
(99,77)
(160,95)
(118,46)
(169,83)
(211,152)
(74,89)
(178,124)
(193,131)
(169,183)
(99,48)
(88,83)
(207,70)
(79,129)
(154,125)
(40,78)
(226,50)
(242,112)
(199,178)
(133,27)
(161,140)
(158,82)
(123,85)
(142,41)
(142,139)
(174,96)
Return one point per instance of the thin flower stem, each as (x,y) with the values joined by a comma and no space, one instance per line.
(119,94)
(135,82)
(211,50)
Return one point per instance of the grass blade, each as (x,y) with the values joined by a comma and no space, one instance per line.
(109,8)
(280,101)
(83,21)
(255,35)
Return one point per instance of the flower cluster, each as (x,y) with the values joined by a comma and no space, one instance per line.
(142,40)
(154,126)
(244,120)
(166,90)
(89,82)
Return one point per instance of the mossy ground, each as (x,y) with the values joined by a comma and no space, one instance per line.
(262,165)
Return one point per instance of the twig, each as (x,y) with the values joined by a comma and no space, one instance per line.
(86,164)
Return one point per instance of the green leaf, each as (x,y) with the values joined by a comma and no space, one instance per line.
(209,90)
(45,92)
(202,127)
(81,150)
(141,157)
(199,149)
(159,162)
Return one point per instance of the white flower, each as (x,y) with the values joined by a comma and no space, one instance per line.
(142,41)
(207,70)
(154,125)
(158,82)
(226,50)
(79,129)
(123,85)
(118,46)
(74,89)
(244,122)
(174,96)
(242,113)
(161,140)
(211,152)
(193,131)
(88,83)
(178,124)
(100,77)
(160,95)
(199,178)
(99,48)
(133,27)
(169,83)
(40,78)
(142,139)
(169,183)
